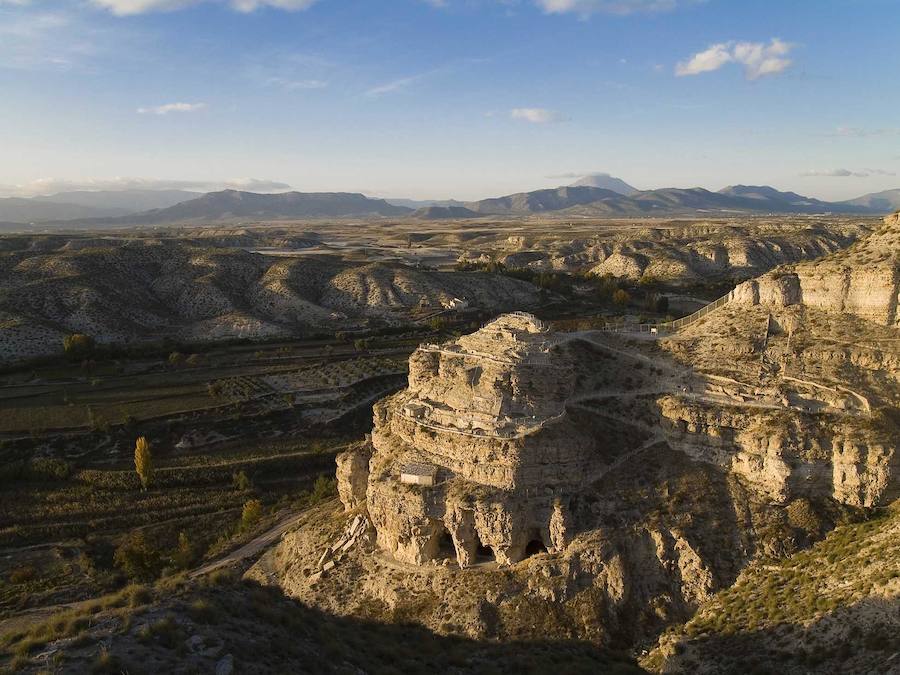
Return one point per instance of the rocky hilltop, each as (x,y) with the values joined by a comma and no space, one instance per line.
(484,416)
(592,485)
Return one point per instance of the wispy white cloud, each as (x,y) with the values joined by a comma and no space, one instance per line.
(860,132)
(711,58)
(289,70)
(295,85)
(585,8)
(847,173)
(401,83)
(132,7)
(537,115)
(567,175)
(46,186)
(167,108)
(394,85)
(288,5)
(758,58)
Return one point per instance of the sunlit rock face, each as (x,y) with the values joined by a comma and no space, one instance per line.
(488,413)
(863,280)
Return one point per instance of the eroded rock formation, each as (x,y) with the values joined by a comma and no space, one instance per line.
(863,280)
(596,486)
(488,413)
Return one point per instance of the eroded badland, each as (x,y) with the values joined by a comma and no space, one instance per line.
(531,453)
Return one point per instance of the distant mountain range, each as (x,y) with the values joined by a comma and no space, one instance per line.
(539,201)
(20,210)
(229,204)
(589,201)
(128,201)
(83,204)
(440,212)
(111,209)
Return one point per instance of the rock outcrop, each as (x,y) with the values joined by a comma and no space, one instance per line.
(593,486)
(863,280)
(486,415)
(782,459)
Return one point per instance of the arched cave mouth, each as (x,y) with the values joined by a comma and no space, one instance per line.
(446,547)
(484,553)
(535,547)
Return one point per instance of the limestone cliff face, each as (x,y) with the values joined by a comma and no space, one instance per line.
(863,280)
(786,457)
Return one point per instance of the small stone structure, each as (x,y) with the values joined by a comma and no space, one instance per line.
(478,458)
(418,474)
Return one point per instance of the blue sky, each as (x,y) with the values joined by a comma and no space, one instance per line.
(453,98)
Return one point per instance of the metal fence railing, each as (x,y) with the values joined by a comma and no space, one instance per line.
(663,327)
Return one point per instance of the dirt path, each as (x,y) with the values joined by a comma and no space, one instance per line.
(242,554)
(253,547)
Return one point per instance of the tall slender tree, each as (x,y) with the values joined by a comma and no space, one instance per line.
(143,461)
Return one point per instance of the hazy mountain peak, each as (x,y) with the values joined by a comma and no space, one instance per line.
(607,182)
(885,201)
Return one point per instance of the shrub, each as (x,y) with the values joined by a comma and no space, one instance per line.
(45,468)
(323,488)
(106,662)
(78,345)
(621,297)
(22,574)
(240,481)
(437,323)
(137,558)
(250,514)
(803,516)
(166,632)
(183,556)
(137,595)
(201,611)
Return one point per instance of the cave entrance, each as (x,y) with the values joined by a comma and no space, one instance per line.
(535,547)
(446,547)
(484,554)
